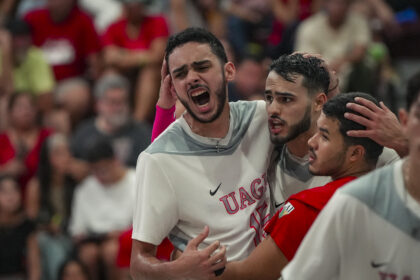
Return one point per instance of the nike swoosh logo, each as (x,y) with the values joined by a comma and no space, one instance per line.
(212,193)
(277,205)
(376,265)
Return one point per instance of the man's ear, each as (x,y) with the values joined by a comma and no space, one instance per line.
(319,101)
(230,71)
(356,153)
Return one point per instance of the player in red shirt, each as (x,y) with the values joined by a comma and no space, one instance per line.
(67,37)
(135,45)
(332,153)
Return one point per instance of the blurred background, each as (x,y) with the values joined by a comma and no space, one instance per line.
(79,80)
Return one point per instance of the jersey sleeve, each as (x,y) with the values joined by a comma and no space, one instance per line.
(290,224)
(163,118)
(318,257)
(155,211)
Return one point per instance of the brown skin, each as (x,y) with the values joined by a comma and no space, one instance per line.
(328,157)
(184,73)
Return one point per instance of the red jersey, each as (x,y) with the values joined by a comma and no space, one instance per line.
(66,45)
(151,28)
(290,224)
(30,159)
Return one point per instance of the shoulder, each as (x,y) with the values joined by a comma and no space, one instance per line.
(36,15)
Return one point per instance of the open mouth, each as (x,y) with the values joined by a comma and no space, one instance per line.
(201,98)
(276,125)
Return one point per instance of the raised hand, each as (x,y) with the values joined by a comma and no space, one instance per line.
(167,95)
(382,125)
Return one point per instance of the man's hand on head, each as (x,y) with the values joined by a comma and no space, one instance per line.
(382,125)
(201,264)
(167,95)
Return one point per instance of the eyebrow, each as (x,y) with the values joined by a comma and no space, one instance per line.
(324,130)
(195,64)
(278,93)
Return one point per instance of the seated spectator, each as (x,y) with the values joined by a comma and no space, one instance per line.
(24,65)
(196,13)
(113,121)
(74,96)
(249,25)
(22,141)
(102,208)
(67,37)
(135,45)
(48,199)
(73,269)
(19,254)
(341,37)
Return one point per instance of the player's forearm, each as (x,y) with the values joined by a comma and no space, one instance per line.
(150,268)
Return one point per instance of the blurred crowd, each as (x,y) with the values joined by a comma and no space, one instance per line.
(79,80)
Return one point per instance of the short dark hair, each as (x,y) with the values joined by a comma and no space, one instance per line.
(336,107)
(413,90)
(18,27)
(198,35)
(100,149)
(315,77)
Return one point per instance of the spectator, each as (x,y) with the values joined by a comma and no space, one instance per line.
(26,63)
(67,37)
(102,208)
(249,80)
(196,13)
(74,96)
(249,25)
(341,38)
(104,12)
(113,121)
(135,45)
(19,254)
(22,141)
(49,198)
(73,269)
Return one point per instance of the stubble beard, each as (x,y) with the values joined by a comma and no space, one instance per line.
(297,129)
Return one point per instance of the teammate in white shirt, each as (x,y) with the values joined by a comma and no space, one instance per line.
(370,229)
(207,169)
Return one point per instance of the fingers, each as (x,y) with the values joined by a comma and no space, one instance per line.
(384,107)
(360,133)
(218,258)
(361,109)
(367,103)
(359,119)
(164,69)
(193,243)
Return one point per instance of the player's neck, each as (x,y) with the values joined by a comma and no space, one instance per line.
(354,170)
(412,177)
(299,146)
(215,129)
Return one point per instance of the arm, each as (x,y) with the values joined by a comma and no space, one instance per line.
(32,199)
(33,258)
(265,262)
(6,67)
(165,106)
(192,264)
(179,15)
(382,126)
(125,59)
(286,13)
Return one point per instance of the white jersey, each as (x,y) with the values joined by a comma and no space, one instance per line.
(290,174)
(370,229)
(185,181)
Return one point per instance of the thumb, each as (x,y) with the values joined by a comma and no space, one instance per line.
(193,243)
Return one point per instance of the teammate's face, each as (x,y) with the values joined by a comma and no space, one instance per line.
(200,80)
(289,108)
(327,150)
